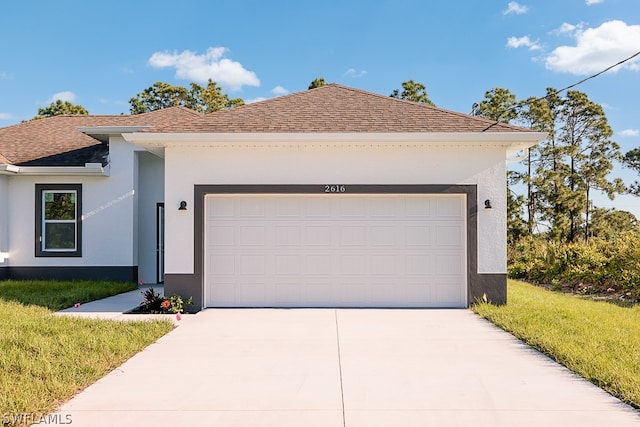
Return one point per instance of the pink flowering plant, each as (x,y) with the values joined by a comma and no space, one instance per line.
(155,303)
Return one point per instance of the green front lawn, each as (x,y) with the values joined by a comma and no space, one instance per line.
(597,340)
(46,359)
(60,295)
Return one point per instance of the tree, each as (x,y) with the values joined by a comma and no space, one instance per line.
(590,152)
(317,82)
(59,108)
(537,114)
(499,104)
(632,161)
(209,99)
(516,226)
(562,171)
(608,223)
(202,99)
(412,91)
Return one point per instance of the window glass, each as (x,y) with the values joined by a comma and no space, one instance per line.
(59,206)
(58,228)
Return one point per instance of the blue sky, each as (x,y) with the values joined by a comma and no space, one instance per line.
(101,53)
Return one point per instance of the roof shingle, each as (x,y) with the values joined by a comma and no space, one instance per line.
(335,108)
(56,141)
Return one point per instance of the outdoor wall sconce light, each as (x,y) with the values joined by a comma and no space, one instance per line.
(487,204)
(183,206)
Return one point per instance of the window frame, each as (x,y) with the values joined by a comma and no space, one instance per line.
(40,238)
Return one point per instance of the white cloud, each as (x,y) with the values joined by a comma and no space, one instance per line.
(567,28)
(590,2)
(63,96)
(630,132)
(258,99)
(516,42)
(279,90)
(211,65)
(352,72)
(515,7)
(4,76)
(597,48)
(6,116)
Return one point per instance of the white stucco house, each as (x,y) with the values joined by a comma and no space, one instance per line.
(331,197)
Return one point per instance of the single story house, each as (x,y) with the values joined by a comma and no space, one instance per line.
(330,197)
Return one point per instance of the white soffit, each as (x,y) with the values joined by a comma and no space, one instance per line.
(512,141)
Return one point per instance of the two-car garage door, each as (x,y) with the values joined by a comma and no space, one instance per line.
(301,250)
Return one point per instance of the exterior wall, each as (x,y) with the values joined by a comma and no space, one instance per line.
(150,193)
(483,166)
(108,228)
(4,228)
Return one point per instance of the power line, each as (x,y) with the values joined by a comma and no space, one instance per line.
(597,74)
(475,107)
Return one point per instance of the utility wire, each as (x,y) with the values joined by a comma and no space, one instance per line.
(593,76)
(597,74)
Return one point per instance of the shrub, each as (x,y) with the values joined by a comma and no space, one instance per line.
(594,266)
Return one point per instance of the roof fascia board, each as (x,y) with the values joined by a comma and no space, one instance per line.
(89,169)
(103,133)
(513,140)
(110,130)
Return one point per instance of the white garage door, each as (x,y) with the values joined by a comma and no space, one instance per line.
(335,251)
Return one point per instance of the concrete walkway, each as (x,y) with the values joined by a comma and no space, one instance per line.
(114,307)
(340,367)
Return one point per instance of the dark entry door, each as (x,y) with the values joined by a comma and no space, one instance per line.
(160,243)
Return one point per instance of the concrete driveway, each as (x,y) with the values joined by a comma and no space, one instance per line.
(341,367)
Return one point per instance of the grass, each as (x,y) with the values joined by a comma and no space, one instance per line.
(60,295)
(46,359)
(596,340)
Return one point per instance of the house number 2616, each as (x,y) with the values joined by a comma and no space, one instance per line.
(335,189)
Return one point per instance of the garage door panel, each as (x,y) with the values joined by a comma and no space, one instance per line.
(419,235)
(383,236)
(449,235)
(252,207)
(251,235)
(251,265)
(449,207)
(342,251)
(353,265)
(417,207)
(288,265)
(316,208)
(318,236)
(222,294)
(319,264)
(449,264)
(221,235)
(352,235)
(288,235)
(384,265)
(222,265)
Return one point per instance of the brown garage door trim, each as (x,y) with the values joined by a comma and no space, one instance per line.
(193,284)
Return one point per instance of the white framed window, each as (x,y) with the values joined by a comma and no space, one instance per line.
(58,220)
